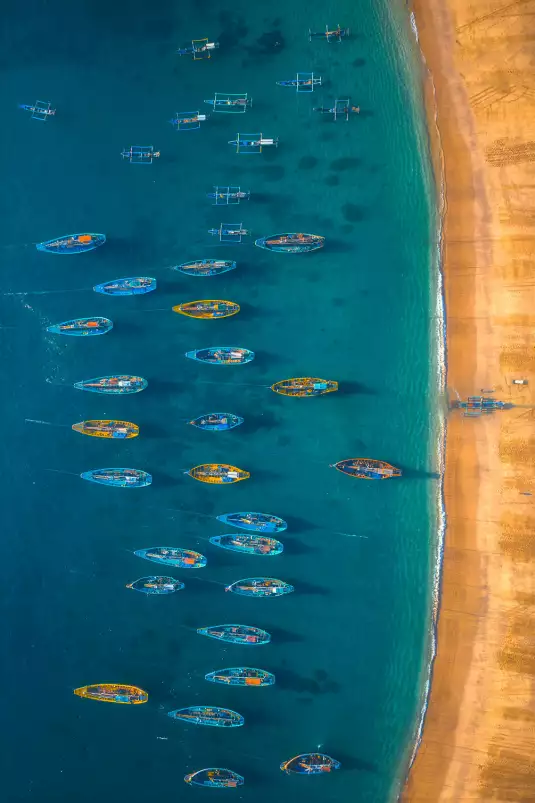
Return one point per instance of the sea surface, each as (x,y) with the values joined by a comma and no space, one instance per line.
(350,646)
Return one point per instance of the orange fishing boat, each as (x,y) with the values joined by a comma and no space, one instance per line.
(208,308)
(113,693)
(107,428)
(218,473)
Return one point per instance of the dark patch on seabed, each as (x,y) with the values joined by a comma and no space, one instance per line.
(347,645)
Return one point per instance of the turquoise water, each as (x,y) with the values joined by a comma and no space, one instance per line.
(349,646)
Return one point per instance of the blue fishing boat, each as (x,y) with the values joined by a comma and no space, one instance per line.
(212,716)
(222,355)
(173,556)
(41,110)
(114,385)
(80,327)
(291,242)
(248,543)
(118,477)
(236,634)
(310,764)
(217,421)
(215,777)
(303,82)
(199,49)
(241,676)
(258,522)
(260,587)
(156,585)
(132,286)
(205,267)
(72,243)
(367,468)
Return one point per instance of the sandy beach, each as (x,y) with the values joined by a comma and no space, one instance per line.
(479,735)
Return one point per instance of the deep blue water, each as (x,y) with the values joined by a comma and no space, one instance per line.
(349,646)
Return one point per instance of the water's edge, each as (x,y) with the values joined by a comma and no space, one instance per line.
(439,358)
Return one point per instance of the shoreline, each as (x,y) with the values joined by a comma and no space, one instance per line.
(464,719)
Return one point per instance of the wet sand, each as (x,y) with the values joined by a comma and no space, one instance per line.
(479,736)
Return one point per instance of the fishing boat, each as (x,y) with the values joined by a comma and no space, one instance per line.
(228,196)
(207,715)
(217,421)
(41,110)
(258,522)
(113,693)
(366,468)
(156,585)
(72,243)
(80,327)
(304,386)
(107,428)
(132,286)
(114,385)
(222,355)
(248,543)
(118,477)
(218,473)
(228,103)
(260,587)
(236,634)
(173,556)
(310,764)
(205,267)
(291,243)
(335,35)
(208,308)
(215,777)
(199,49)
(303,82)
(241,676)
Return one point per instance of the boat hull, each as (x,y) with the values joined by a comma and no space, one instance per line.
(208,309)
(304,387)
(217,422)
(248,544)
(310,764)
(241,676)
(156,584)
(236,634)
(101,428)
(118,477)
(72,243)
(205,267)
(173,556)
(291,243)
(260,587)
(82,327)
(218,474)
(212,717)
(222,355)
(364,468)
(113,693)
(131,286)
(118,384)
(215,777)
(255,522)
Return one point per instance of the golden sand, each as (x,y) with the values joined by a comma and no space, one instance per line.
(479,735)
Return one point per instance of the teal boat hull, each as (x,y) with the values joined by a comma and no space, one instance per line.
(259,522)
(77,327)
(70,244)
(120,478)
(113,385)
(236,634)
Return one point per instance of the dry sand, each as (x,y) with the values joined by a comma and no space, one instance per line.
(479,735)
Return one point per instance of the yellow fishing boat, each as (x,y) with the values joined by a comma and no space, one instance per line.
(208,309)
(101,428)
(304,386)
(113,693)
(218,473)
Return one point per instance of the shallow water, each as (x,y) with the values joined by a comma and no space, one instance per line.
(348,645)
